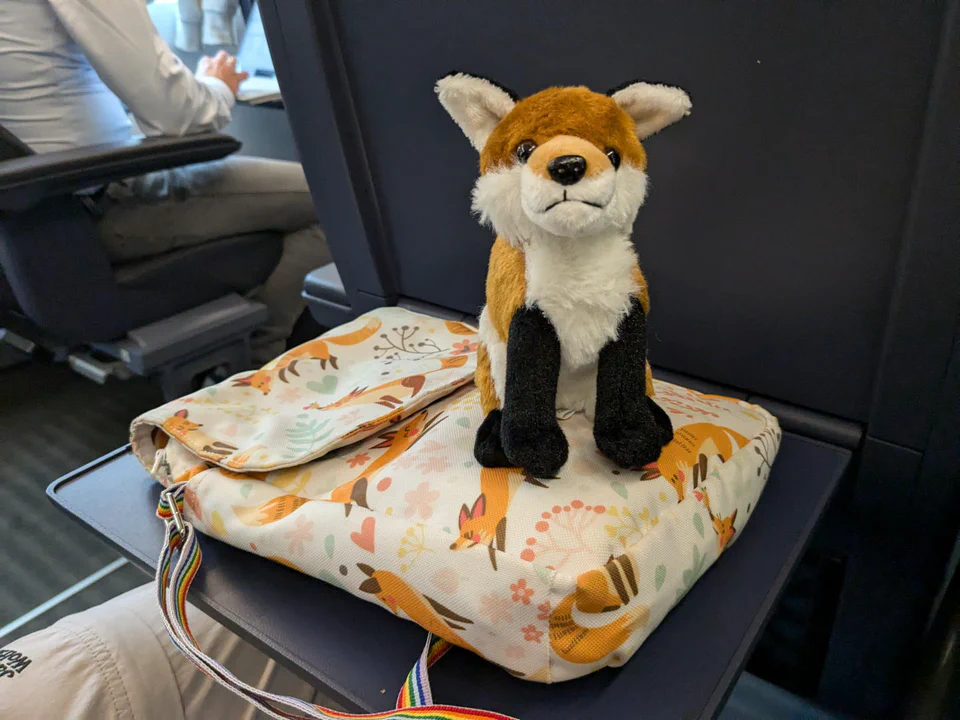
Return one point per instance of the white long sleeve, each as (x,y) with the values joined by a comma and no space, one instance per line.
(120,42)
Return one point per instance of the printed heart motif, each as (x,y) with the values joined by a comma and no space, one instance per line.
(364,538)
(328,544)
(446,580)
(325,387)
(245,489)
(463,422)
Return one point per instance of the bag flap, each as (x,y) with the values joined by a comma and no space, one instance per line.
(334,390)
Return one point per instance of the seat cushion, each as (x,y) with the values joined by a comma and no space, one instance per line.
(342,471)
(167,284)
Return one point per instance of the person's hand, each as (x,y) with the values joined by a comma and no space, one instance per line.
(223,67)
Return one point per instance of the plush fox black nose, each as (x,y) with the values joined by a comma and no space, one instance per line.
(567,169)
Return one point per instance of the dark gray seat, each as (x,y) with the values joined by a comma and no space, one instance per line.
(800,240)
(58,286)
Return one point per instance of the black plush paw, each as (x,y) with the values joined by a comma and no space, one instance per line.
(541,450)
(488,448)
(660,417)
(630,447)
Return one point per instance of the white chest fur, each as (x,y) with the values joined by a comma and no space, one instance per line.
(584,286)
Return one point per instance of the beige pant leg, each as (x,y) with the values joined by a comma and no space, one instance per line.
(163,211)
(115,661)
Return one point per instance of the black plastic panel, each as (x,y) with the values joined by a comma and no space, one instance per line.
(924,309)
(117,499)
(771,235)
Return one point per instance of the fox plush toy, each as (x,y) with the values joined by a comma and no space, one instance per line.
(562,176)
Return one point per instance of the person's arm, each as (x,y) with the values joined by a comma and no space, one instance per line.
(121,43)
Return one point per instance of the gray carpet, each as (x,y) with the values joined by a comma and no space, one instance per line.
(51,422)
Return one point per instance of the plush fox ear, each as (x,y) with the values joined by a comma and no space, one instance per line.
(652,107)
(475,103)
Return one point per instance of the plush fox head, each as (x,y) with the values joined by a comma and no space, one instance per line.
(563,162)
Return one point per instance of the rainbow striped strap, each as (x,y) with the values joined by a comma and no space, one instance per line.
(177,567)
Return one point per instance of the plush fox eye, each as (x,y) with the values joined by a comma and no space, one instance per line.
(525,150)
(614,157)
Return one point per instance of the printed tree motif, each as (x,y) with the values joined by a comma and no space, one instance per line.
(691,574)
(305,435)
(403,341)
(561,534)
(630,527)
(769,441)
(413,545)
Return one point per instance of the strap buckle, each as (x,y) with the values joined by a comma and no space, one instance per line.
(170,496)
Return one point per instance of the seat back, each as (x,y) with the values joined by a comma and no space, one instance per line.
(775,230)
(800,237)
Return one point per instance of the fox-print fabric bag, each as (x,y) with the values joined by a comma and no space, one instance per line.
(354,452)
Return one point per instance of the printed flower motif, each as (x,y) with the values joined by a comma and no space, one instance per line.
(464,347)
(521,593)
(531,634)
(358,460)
(496,608)
(438,463)
(290,395)
(420,501)
(350,416)
(431,446)
(299,534)
(544,609)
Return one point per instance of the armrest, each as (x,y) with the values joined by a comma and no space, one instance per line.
(27,180)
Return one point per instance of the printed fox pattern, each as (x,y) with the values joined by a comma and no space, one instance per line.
(190,434)
(353,492)
(723,526)
(426,612)
(395,442)
(391,395)
(562,177)
(270,512)
(318,349)
(486,522)
(604,590)
(689,451)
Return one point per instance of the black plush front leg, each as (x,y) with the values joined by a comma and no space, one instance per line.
(628,426)
(531,436)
